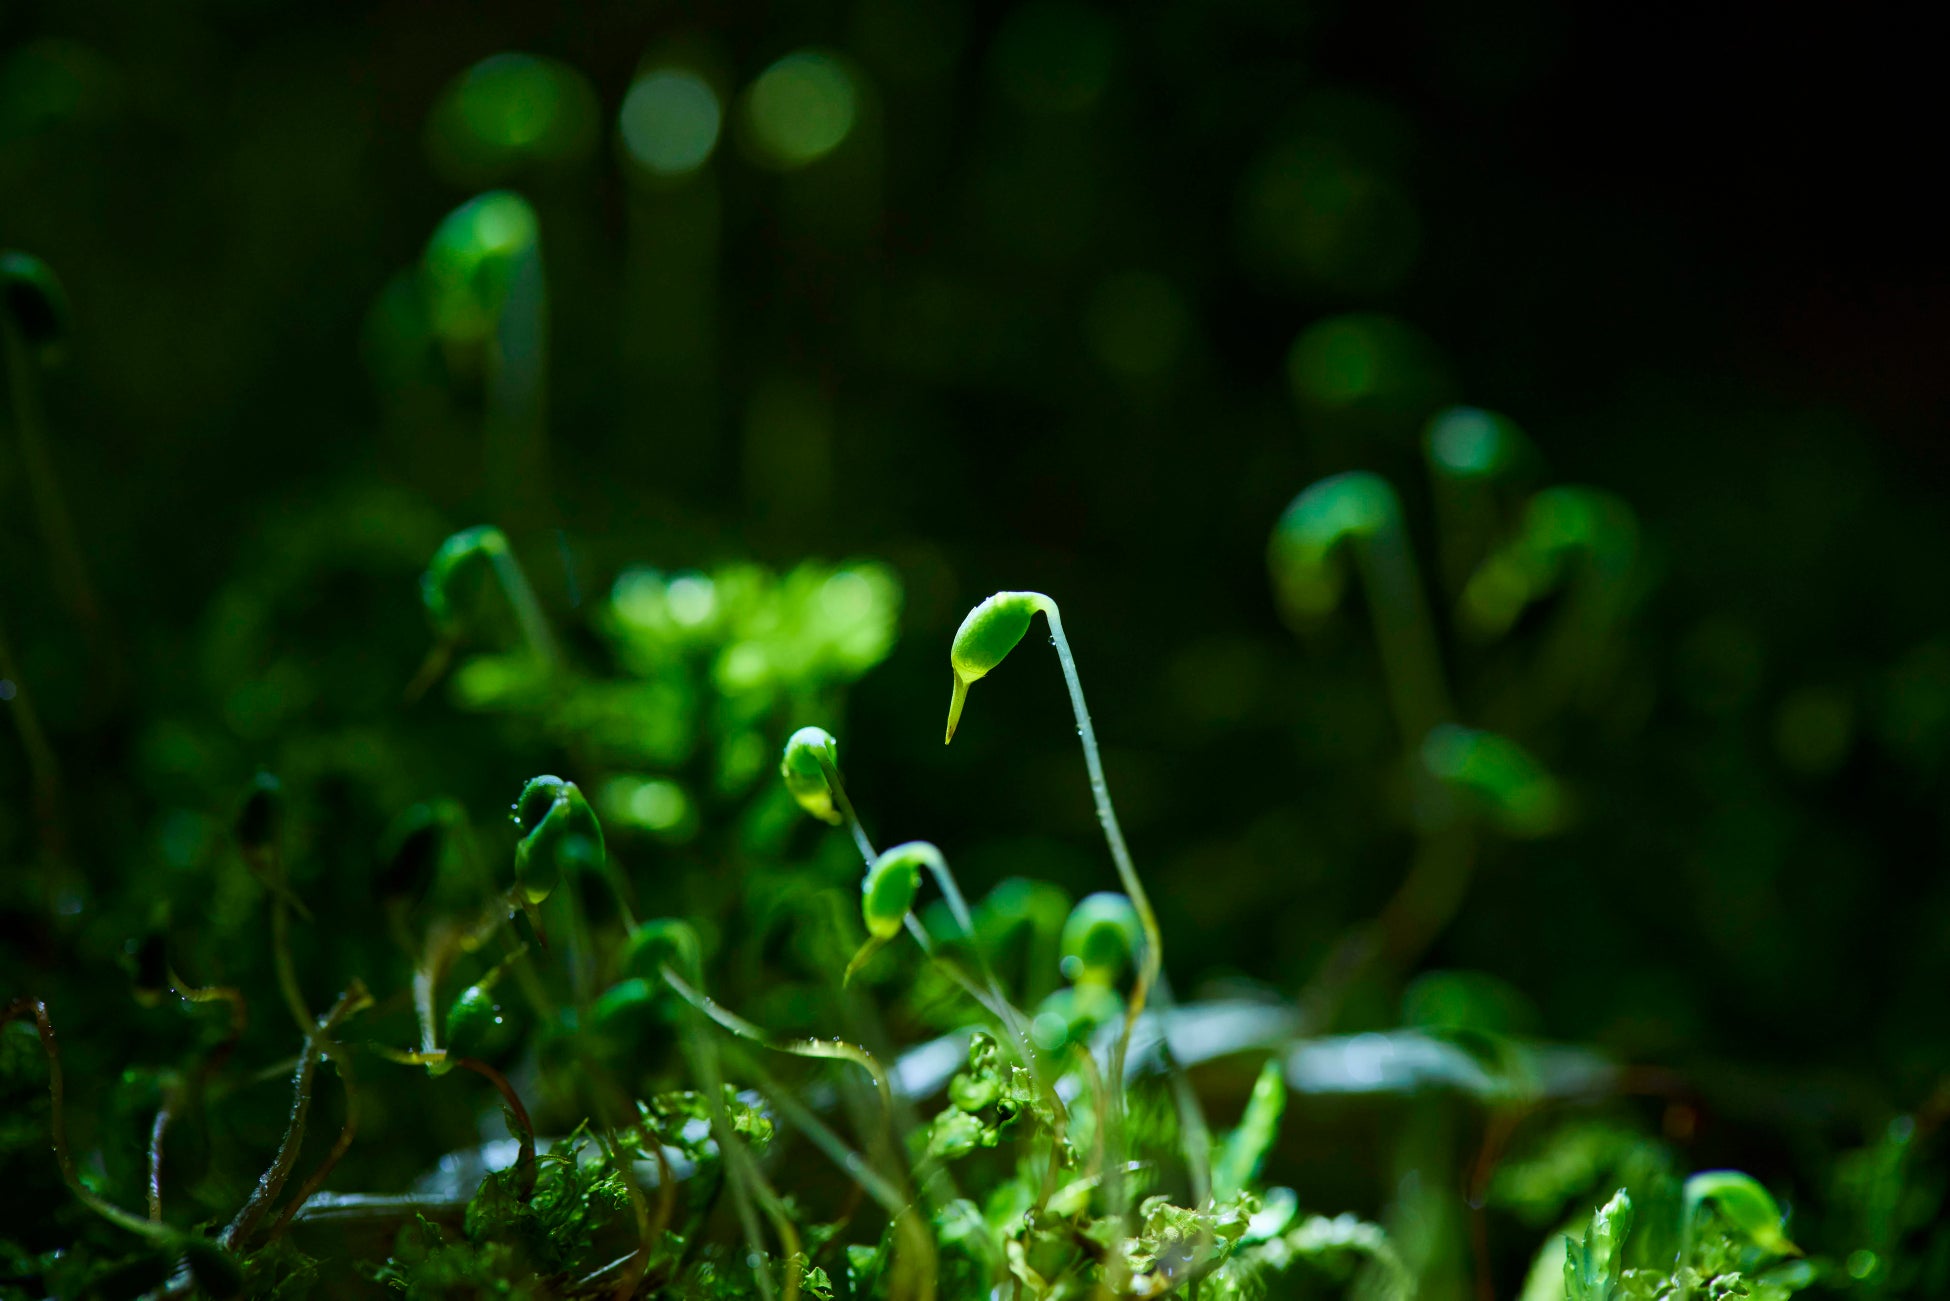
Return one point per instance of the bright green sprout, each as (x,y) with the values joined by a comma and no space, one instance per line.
(1244,1151)
(1743,1203)
(1305,543)
(1593,1267)
(887,894)
(985,639)
(805,777)
(1100,939)
(562,834)
(472,261)
(32,303)
(1516,791)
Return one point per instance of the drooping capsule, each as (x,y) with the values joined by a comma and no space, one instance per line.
(1744,1204)
(410,855)
(33,303)
(472,261)
(477,1024)
(1303,552)
(260,821)
(805,774)
(664,942)
(1503,780)
(563,836)
(1101,938)
(887,894)
(985,638)
(451,564)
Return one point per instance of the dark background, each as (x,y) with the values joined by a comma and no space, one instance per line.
(1692,250)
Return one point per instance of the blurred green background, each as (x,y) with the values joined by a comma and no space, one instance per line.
(1054,296)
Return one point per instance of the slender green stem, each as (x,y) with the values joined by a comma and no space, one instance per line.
(528,610)
(829,1049)
(523,1126)
(271,1182)
(58,1124)
(993,1000)
(348,1130)
(899,1209)
(1405,632)
(44,770)
(57,526)
(1151,961)
(294,996)
(740,1171)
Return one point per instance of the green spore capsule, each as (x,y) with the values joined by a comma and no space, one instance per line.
(985,639)
(1303,553)
(410,855)
(664,942)
(1517,793)
(456,558)
(563,834)
(626,1013)
(1744,1204)
(1100,938)
(33,303)
(477,1025)
(148,963)
(471,261)
(261,819)
(805,776)
(887,894)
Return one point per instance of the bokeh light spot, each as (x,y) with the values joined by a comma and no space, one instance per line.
(801,108)
(1364,360)
(670,121)
(1136,323)
(1054,56)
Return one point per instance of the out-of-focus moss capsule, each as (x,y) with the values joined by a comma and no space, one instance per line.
(450,564)
(472,260)
(1743,1203)
(563,834)
(1072,1016)
(985,639)
(477,1025)
(626,1012)
(805,776)
(33,303)
(1517,793)
(1302,553)
(261,820)
(1101,938)
(410,855)
(1469,443)
(215,1270)
(148,960)
(664,942)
